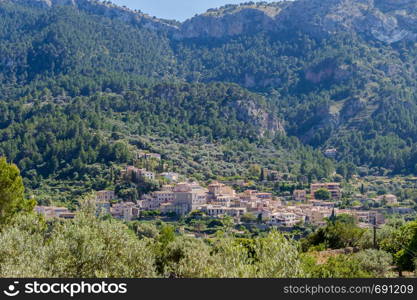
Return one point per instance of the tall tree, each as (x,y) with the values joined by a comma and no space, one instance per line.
(12,198)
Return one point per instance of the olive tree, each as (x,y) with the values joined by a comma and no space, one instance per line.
(377,262)
(22,250)
(88,247)
(84,247)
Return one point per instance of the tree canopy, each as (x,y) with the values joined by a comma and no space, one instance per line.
(12,197)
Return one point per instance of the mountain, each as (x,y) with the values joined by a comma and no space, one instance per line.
(389,21)
(40,40)
(341,72)
(81,87)
(103,8)
(284,77)
(82,44)
(385,20)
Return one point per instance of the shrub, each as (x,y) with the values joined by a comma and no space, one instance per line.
(377,262)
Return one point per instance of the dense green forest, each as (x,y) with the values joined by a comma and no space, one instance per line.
(76,138)
(73,100)
(78,88)
(353,104)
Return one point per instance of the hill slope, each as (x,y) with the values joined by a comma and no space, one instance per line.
(332,73)
(80,90)
(342,72)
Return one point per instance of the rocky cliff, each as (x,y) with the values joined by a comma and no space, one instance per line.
(232,20)
(250,111)
(388,21)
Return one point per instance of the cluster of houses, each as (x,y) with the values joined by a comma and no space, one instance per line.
(106,204)
(333,187)
(218,199)
(388,199)
(104,201)
(135,175)
(315,213)
(51,212)
(183,198)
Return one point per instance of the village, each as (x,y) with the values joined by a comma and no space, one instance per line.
(218,200)
(180,197)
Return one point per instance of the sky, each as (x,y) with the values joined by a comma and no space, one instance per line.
(175,9)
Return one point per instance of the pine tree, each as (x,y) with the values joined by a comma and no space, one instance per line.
(12,198)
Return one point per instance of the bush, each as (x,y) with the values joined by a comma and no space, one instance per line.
(272,256)
(341,266)
(340,234)
(248,218)
(188,258)
(144,230)
(377,262)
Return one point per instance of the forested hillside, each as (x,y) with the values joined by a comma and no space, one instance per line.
(81,81)
(348,91)
(76,51)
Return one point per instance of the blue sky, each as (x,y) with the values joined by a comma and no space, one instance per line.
(175,9)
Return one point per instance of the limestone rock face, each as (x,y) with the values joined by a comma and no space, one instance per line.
(245,20)
(251,112)
(388,21)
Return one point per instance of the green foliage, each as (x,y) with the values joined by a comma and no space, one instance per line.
(79,93)
(346,219)
(337,234)
(270,257)
(144,230)
(54,55)
(65,42)
(22,251)
(406,257)
(187,258)
(303,75)
(322,194)
(215,223)
(376,262)
(340,266)
(72,99)
(70,142)
(89,247)
(12,198)
(248,218)
(398,239)
(85,247)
